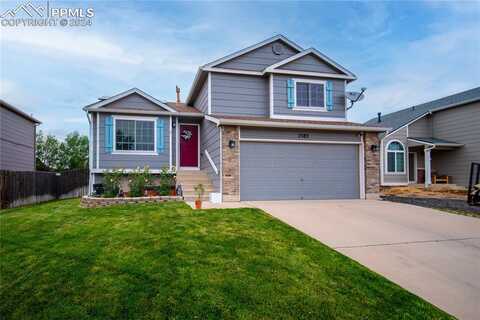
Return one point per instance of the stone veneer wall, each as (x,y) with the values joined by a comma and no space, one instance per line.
(372,164)
(230,164)
(95,202)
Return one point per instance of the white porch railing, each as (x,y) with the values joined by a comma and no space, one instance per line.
(214,167)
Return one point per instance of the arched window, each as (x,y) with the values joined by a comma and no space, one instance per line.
(395,157)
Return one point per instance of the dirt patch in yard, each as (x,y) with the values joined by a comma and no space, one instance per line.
(451,205)
(437,191)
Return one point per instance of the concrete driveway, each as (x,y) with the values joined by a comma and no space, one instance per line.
(432,254)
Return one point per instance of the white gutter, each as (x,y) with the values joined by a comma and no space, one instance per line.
(90,152)
(150,112)
(278,124)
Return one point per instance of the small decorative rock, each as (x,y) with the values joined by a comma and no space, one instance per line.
(94,202)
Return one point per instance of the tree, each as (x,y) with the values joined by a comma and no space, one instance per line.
(47,152)
(75,151)
(55,155)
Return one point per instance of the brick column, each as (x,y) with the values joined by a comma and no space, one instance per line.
(372,164)
(230,164)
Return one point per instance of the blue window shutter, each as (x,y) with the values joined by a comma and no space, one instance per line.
(108,134)
(160,135)
(329,90)
(290,88)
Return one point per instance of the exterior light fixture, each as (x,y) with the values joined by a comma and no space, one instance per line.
(231,144)
(374,148)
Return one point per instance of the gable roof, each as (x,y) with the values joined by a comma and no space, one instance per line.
(10,107)
(316,53)
(101,103)
(398,119)
(183,108)
(200,76)
(251,48)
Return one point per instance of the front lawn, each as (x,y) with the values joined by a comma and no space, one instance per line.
(59,261)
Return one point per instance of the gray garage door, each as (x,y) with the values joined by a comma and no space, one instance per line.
(287,171)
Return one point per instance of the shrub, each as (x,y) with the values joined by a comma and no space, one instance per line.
(137,180)
(199,191)
(111,182)
(167,181)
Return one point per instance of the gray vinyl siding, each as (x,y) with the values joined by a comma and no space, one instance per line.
(400,135)
(133,102)
(309,63)
(280,98)
(210,140)
(293,134)
(291,171)
(17,142)
(130,161)
(174,143)
(421,128)
(201,101)
(239,94)
(259,59)
(460,124)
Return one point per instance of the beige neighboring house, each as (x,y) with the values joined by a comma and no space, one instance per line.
(440,138)
(17,138)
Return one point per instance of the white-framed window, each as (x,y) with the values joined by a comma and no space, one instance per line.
(395,157)
(134,135)
(309,95)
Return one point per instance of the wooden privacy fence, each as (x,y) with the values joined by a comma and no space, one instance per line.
(19,188)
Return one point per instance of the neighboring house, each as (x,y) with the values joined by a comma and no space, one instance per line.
(265,123)
(17,139)
(437,138)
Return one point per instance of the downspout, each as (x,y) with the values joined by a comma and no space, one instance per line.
(428,165)
(90,149)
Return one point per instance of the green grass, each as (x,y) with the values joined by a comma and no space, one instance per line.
(59,261)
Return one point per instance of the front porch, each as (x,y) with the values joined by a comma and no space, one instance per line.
(421,168)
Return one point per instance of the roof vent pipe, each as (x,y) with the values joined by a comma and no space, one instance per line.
(103,98)
(379,117)
(177,89)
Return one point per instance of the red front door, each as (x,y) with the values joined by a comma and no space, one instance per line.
(188,145)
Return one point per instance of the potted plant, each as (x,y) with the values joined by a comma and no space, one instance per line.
(199,191)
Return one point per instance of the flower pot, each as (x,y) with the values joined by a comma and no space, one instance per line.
(152,193)
(173,191)
(198,204)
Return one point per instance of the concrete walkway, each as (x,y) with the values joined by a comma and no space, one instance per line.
(433,254)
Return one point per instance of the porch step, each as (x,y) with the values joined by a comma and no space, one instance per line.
(188,179)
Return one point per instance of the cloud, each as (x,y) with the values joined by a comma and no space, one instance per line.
(441,64)
(79,44)
(12,93)
(75,120)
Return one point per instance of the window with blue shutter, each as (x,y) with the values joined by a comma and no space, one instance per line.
(329,91)
(160,135)
(290,92)
(108,134)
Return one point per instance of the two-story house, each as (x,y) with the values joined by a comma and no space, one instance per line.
(17,138)
(265,123)
(439,138)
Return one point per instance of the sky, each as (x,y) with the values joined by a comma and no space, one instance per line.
(404,53)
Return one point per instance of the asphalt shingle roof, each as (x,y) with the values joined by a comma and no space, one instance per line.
(436,141)
(397,119)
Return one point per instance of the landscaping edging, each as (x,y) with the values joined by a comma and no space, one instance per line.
(94,202)
(437,203)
